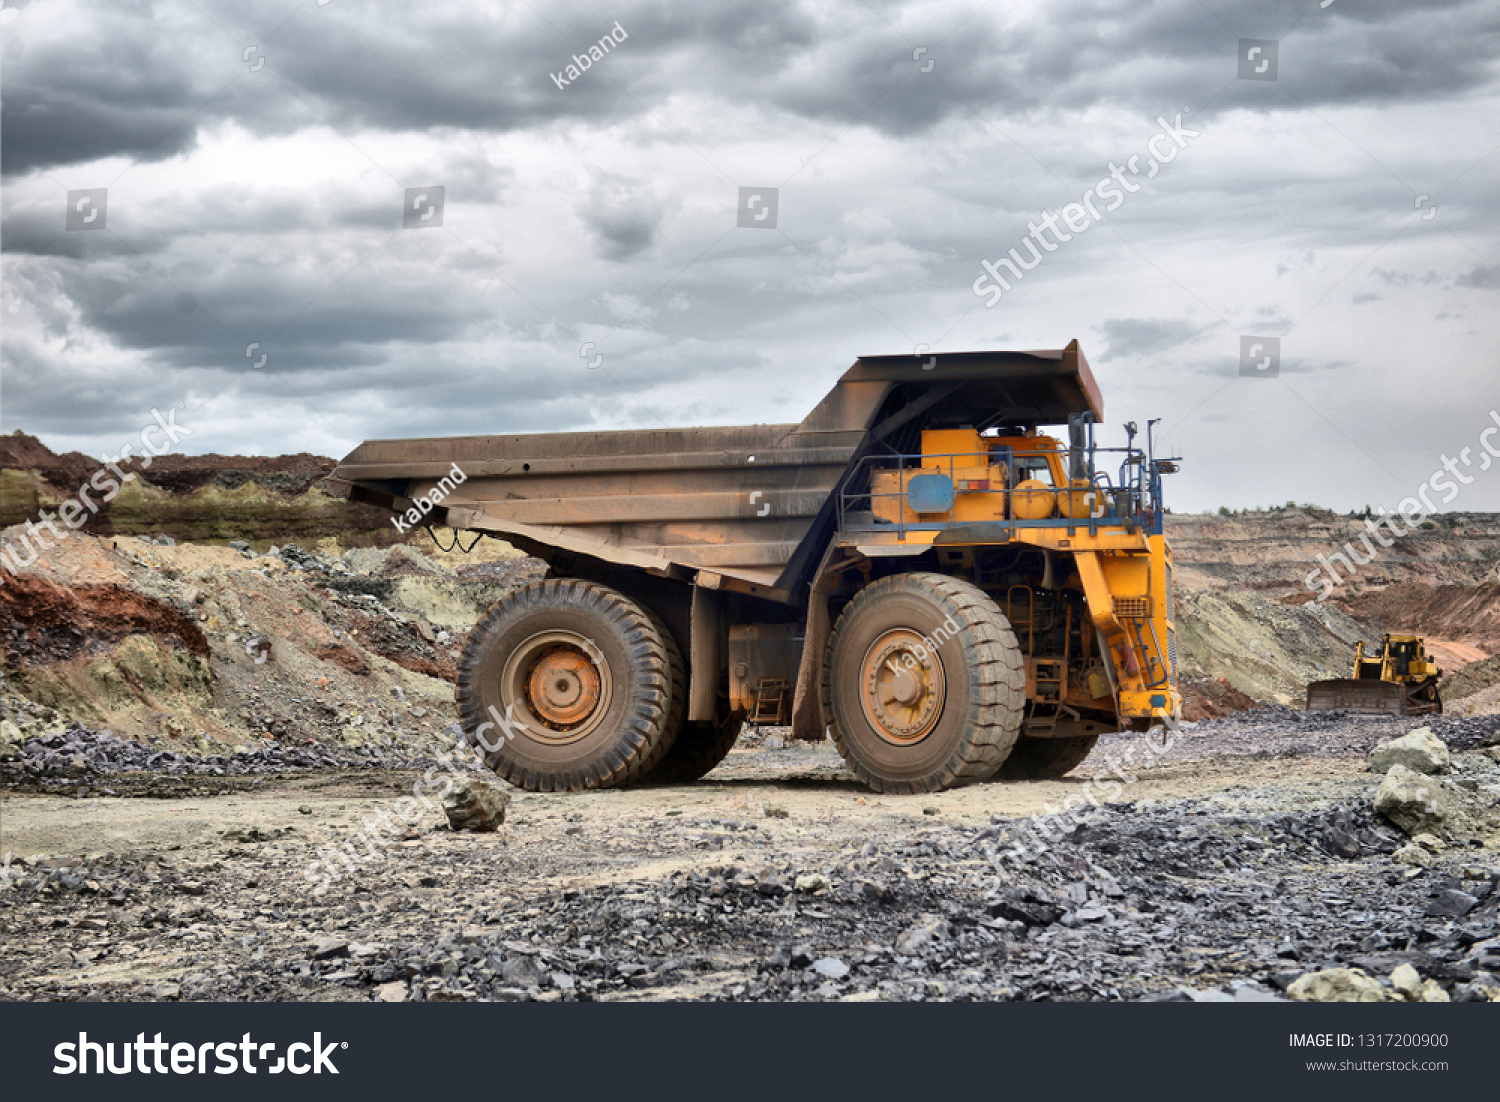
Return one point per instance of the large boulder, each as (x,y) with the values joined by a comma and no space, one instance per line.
(1413,802)
(475,804)
(1337,985)
(1420,751)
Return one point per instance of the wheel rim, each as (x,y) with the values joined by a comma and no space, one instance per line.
(559,686)
(903,687)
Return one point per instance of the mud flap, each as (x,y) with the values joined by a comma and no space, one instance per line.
(808,722)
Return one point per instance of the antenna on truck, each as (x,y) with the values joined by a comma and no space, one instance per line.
(1080,446)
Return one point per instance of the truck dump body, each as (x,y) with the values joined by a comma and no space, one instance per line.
(751,504)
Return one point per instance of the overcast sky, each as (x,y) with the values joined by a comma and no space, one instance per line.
(257,156)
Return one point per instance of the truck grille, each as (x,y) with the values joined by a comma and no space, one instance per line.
(1132,608)
(1171,619)
(1172,653)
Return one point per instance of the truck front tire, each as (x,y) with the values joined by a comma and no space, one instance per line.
(567,685)
(923,684)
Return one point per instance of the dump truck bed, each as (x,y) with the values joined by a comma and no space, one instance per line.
(751,503)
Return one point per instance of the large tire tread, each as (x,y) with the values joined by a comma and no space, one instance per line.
(1045,759)
(699,749)
(636,748)
(990,649)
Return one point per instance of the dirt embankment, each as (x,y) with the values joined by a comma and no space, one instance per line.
(1274,551)
(204,646)
(202,497)
(1265,649)
(1440,582)
(1458,613)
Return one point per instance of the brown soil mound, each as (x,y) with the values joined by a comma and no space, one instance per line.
(1212,697)
(45,622)
(350,660)
(401,644)
(1472,679)
(1462,613)
(291,474)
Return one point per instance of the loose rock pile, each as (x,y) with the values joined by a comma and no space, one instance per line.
(79,758)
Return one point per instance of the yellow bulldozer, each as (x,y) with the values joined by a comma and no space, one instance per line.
(1398,679)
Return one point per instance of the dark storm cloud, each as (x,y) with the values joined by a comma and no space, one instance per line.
(127,84)
(606,205)
(309,319)
(1481,275)
(623,215)
(1146,336)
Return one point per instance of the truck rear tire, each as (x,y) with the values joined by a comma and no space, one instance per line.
(693,748)
(567,685)
(1045,759)
(923,684)
(698,749)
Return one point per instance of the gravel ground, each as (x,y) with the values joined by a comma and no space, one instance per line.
(1245,857)
(1274,730)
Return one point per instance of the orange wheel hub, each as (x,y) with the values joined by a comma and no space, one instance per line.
(563,687)
(903,686)
(557,686)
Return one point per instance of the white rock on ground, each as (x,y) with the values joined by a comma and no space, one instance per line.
(475,804)
(1413,802)
(1407,982)
(1420,751)
(1337,985)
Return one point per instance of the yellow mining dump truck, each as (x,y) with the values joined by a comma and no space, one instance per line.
(915,568)
(1400,679)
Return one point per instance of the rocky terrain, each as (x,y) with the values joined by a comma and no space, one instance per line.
(1272,551)
(209,647)
(1218,872)
(219,699)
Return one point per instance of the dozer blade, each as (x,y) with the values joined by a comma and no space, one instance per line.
(1368,697)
